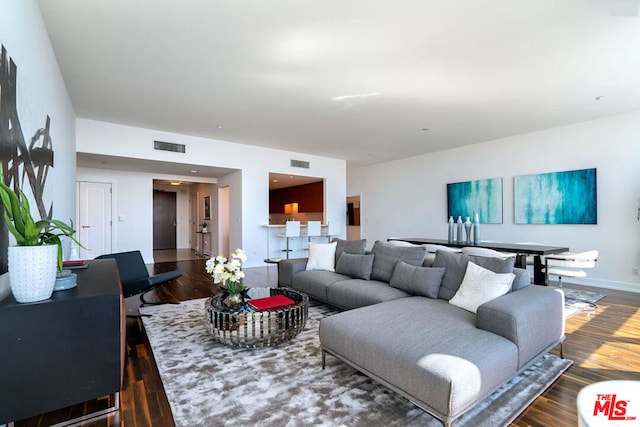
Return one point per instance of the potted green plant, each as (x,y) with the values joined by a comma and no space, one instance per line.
(32,263)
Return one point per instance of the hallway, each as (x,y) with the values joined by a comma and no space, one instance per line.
(171,255)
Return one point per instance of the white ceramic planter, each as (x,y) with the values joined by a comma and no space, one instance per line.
(32,272)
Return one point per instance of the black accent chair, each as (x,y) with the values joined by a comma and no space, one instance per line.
(134,275)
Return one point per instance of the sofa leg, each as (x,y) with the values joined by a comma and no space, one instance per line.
(324,359)
(562,350)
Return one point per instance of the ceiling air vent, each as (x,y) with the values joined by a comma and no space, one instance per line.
(299,164)
(169,146)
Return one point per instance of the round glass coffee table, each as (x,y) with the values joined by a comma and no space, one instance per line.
(244,326)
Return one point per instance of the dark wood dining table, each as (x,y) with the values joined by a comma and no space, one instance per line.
(519,248)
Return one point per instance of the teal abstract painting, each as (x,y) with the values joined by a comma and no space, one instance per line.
(483,196)
(567,197)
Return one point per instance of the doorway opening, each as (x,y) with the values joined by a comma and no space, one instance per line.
(354,232)
(164,220)
(185,215)
(296,198)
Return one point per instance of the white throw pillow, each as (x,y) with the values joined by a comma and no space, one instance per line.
(479,286)
(322,256)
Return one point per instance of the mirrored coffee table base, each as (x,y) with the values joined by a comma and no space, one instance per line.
(243,326)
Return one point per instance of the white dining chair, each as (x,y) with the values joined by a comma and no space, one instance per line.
(569,265)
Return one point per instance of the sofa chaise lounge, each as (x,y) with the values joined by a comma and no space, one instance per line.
(436,333)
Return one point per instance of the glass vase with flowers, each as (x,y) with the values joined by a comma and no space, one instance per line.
(228,274)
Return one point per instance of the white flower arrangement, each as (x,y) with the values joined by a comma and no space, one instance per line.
(228,272)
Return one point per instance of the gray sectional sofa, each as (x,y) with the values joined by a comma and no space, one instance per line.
(403,324)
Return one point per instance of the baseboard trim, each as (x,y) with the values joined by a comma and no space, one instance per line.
(605,284)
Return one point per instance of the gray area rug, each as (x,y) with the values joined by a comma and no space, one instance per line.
(209,384)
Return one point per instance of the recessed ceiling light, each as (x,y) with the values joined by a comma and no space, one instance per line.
(194,171)
(219,127)
(276,180)
(174,183)
(599,98)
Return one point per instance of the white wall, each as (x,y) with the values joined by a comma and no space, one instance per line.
(41,92)
(130,192)
(408,197)
(249,186)
(132,200)
(182,219)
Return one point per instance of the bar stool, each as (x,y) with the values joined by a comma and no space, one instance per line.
(329,234)
(314,229)
(291,230)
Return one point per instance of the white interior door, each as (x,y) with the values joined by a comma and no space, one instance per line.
(94,218)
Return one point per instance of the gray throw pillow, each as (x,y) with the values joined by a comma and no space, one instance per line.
(349,246)
(386,257)
(356,266)
(423,281)
(522,280)
(455,265)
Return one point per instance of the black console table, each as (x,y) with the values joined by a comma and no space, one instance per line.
(518,248)
(66,350)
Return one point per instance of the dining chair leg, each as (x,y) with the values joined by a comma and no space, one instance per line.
(546,272)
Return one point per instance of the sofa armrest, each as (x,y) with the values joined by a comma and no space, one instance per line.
(531,317)
(287,268)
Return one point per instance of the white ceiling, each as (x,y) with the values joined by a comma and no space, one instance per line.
(357,80)
(279,180)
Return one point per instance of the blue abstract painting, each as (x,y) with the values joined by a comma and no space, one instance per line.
(567,197)
(483,196)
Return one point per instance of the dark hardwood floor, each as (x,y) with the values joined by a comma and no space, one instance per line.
(604,345)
